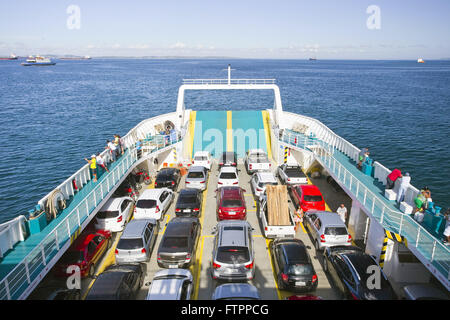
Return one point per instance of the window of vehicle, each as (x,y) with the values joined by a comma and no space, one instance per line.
(231,203)
(233,255)
(335,231)
(184,290)
(163,196)
(91,247)
(227,175)
(124,205)
(146,235)
(175,242)
(130,244)
(195,175)
(361,263)
(343,267)
(97,239)
(107,214)
(146,204)
(262,184)
(200,158)
(312,198)
(187,198)
(300,269)
(318,224)
(312,217)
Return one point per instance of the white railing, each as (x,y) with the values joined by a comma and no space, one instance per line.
(430,247)
(226,81)
(11,232)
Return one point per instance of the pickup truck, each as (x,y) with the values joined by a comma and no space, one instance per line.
(291,174)
(274,231)
(256,160)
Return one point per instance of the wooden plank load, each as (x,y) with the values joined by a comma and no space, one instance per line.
(277,205)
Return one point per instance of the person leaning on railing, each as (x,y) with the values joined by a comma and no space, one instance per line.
(392,177)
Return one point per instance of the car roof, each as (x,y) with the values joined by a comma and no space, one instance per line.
(201,153)
(167,289)
(236,290)
(229,192)
(228,153)
(135,228)
(235,235)
(180,226)
(228,169)
(310,189)
(166,171)
(83,241)
(188,192)
(266,176)
(153,193)
(294,250)
(107,283)
(327,217)
(112,204)
(197,168)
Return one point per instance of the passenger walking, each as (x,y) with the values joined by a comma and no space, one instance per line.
(363,154)
(404,184)
(112,149)
(93,166)
(392,177)
(342,212)
(100,162)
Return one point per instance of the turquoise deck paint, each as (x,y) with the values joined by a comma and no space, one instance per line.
(210,132)
(248,131)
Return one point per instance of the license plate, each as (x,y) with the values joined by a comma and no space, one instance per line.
(300,283)
(173,266)
(187,210)
(231,213)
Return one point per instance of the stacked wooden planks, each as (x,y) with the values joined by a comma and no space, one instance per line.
(277,205)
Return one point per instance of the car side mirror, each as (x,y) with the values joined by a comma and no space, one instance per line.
(214,230)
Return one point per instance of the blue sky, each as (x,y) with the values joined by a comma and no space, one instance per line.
(328,29)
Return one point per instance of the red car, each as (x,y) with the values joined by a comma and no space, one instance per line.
(85,252)
(307,196)
(231,203)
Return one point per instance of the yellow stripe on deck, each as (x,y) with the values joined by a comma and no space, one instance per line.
(191,129)
(266,124)
(229,131)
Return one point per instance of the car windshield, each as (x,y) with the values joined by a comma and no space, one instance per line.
(233,255)
(312,198)
(195,175)
(335,231)
(130,244)
(362,264)
(107,214)
(262,184)
(73,257)
(227,175)
(187,199)
(200,158)
(146,203)
(231,203)
(175,242)
(300,269)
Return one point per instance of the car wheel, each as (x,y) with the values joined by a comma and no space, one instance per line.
(325,265)
(109,243)
(91,271)
(280,284)
(316,245)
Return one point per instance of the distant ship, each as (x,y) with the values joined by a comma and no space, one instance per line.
(11,57)
(75,58)
(420,60)
(38,61)
(312,59)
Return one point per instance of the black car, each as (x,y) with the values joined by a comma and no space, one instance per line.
(228,158)
(55,292)
(168,178)
(293,265)
(178,243)
(118,282)
(355,274)
(189,203)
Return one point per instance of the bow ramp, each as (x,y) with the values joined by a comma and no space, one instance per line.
(238,131)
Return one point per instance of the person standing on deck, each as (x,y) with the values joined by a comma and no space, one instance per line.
(404,184)
(139,148)
(362,156)
(392,177)
(117,144)
(447,227)
(112,149)
(342,212)
(100,162)
(93,166)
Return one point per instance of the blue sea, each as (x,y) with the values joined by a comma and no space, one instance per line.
(53,117)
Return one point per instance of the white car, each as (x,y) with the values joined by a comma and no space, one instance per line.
(203,159)
(114,214)
(228,177)
(259,181)
(171,284)
(153,203)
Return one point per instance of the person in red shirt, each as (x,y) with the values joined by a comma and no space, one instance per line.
(392,177)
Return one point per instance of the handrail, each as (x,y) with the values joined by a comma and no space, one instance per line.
(394,220)
(226,81)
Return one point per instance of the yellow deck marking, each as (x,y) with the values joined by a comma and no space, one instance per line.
(229,131)
(165,225)
(273,269)
(265,116)
(192,118)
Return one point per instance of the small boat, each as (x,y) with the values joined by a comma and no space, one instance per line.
(312,59)
(420,60)
(11,57)
(75,58)
(38,61)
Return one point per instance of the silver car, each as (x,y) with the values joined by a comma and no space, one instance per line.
(171,284)
(327,229)
(137,241)
(196,178)
(236,291)
(233,253)
(260,180)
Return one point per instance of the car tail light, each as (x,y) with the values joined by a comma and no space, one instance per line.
(188,257)
(173,183)
(233,164)
(285,277)
(354,297)
(249,266)
(196,209)
(216,266)
(265,228)
(349,238)
(157,209)
(177,210)
(158,257)
(322,238)
(235,182)
(270,165)
(187,182)
(156,183)
(116,251)
(314,278)
(119,219)
(250,166)
(221,164)
(208,161)
(135,210)
(258,189)
(289,179)
(143,250)
(220,182)
(202,181)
